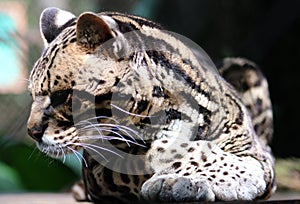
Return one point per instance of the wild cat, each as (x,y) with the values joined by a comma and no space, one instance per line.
(118,84)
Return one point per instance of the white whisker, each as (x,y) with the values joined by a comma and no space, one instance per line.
(122,128)
(121,138)
(94,148)
(63,153)
(114,132)
(93,125)
(127,112)
(127,130)
(78,156)
(96,137)
(25,79)
(97,117)
(58,152)
(33,152)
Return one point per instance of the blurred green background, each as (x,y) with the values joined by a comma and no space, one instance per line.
(266,32)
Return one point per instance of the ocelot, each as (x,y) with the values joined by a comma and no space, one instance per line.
(155,119)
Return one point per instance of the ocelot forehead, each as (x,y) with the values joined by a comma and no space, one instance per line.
(52,68)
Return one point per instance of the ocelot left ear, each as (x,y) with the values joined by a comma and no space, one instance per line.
(92,30)
(52,22)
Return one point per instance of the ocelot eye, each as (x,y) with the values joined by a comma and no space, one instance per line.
(60,97)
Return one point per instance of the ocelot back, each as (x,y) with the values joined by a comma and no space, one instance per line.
(155,120)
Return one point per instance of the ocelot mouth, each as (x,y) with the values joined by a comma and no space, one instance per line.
(51,150)
(56,149)
(57,143)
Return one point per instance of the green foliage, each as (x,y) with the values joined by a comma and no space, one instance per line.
(9,179)
(288,174)
(23,168)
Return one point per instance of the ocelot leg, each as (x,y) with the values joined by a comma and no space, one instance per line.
(112,181)
(201,171)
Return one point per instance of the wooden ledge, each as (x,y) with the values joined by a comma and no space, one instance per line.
(66,198)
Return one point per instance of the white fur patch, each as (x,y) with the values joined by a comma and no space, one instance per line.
(63,17)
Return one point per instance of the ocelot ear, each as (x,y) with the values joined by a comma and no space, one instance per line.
(92,30)
(52,22)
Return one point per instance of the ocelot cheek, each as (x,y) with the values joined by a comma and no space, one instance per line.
(53,135)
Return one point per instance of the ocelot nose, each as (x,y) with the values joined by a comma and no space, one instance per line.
(36,132)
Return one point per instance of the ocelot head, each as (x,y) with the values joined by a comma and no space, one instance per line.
(76,69)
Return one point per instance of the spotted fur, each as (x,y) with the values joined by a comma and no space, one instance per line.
(190,132)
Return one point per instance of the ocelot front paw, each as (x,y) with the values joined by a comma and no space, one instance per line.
(174,188)
(78,191)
